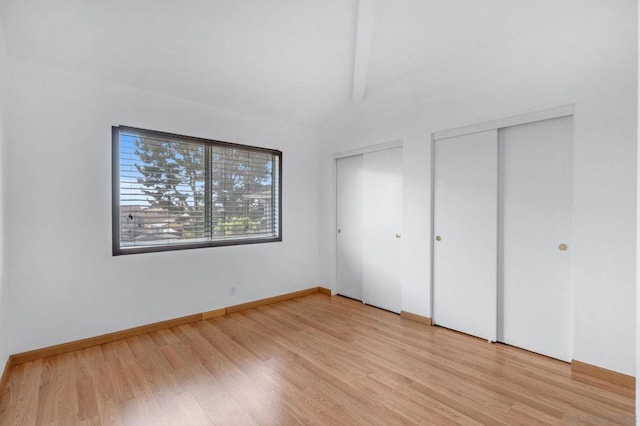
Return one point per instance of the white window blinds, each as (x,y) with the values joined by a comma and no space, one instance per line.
(175,192)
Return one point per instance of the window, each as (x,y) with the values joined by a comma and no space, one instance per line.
(174,192)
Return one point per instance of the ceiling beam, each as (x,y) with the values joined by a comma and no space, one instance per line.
(364,36)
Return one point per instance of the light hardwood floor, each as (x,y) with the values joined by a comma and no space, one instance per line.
(312,360)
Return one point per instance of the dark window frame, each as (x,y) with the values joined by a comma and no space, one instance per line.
(117,249)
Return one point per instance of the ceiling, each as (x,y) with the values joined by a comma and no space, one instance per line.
(288,60)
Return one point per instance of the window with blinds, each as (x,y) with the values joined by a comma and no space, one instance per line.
(174,192)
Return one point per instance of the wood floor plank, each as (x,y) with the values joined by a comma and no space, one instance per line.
(312,360)
(67,397)
(47,391)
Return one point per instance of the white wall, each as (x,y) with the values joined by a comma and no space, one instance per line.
(592,65)
(4,314)
(638,234)
(64,282)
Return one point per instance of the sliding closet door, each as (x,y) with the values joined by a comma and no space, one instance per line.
(465,225)
(536,249)
(369,219)
(382,248)
(349,213)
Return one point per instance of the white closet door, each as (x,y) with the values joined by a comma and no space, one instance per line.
(465,223)
(536,217)
(382,243)
(350,197)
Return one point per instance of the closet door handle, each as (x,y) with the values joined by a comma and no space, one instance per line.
(398,235)
(563,247)
(438,238)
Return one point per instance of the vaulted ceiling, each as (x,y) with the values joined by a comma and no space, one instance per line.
(300,61)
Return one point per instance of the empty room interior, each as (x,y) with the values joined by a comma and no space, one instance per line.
(318,212)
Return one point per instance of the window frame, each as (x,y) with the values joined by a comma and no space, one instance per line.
(118,250)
